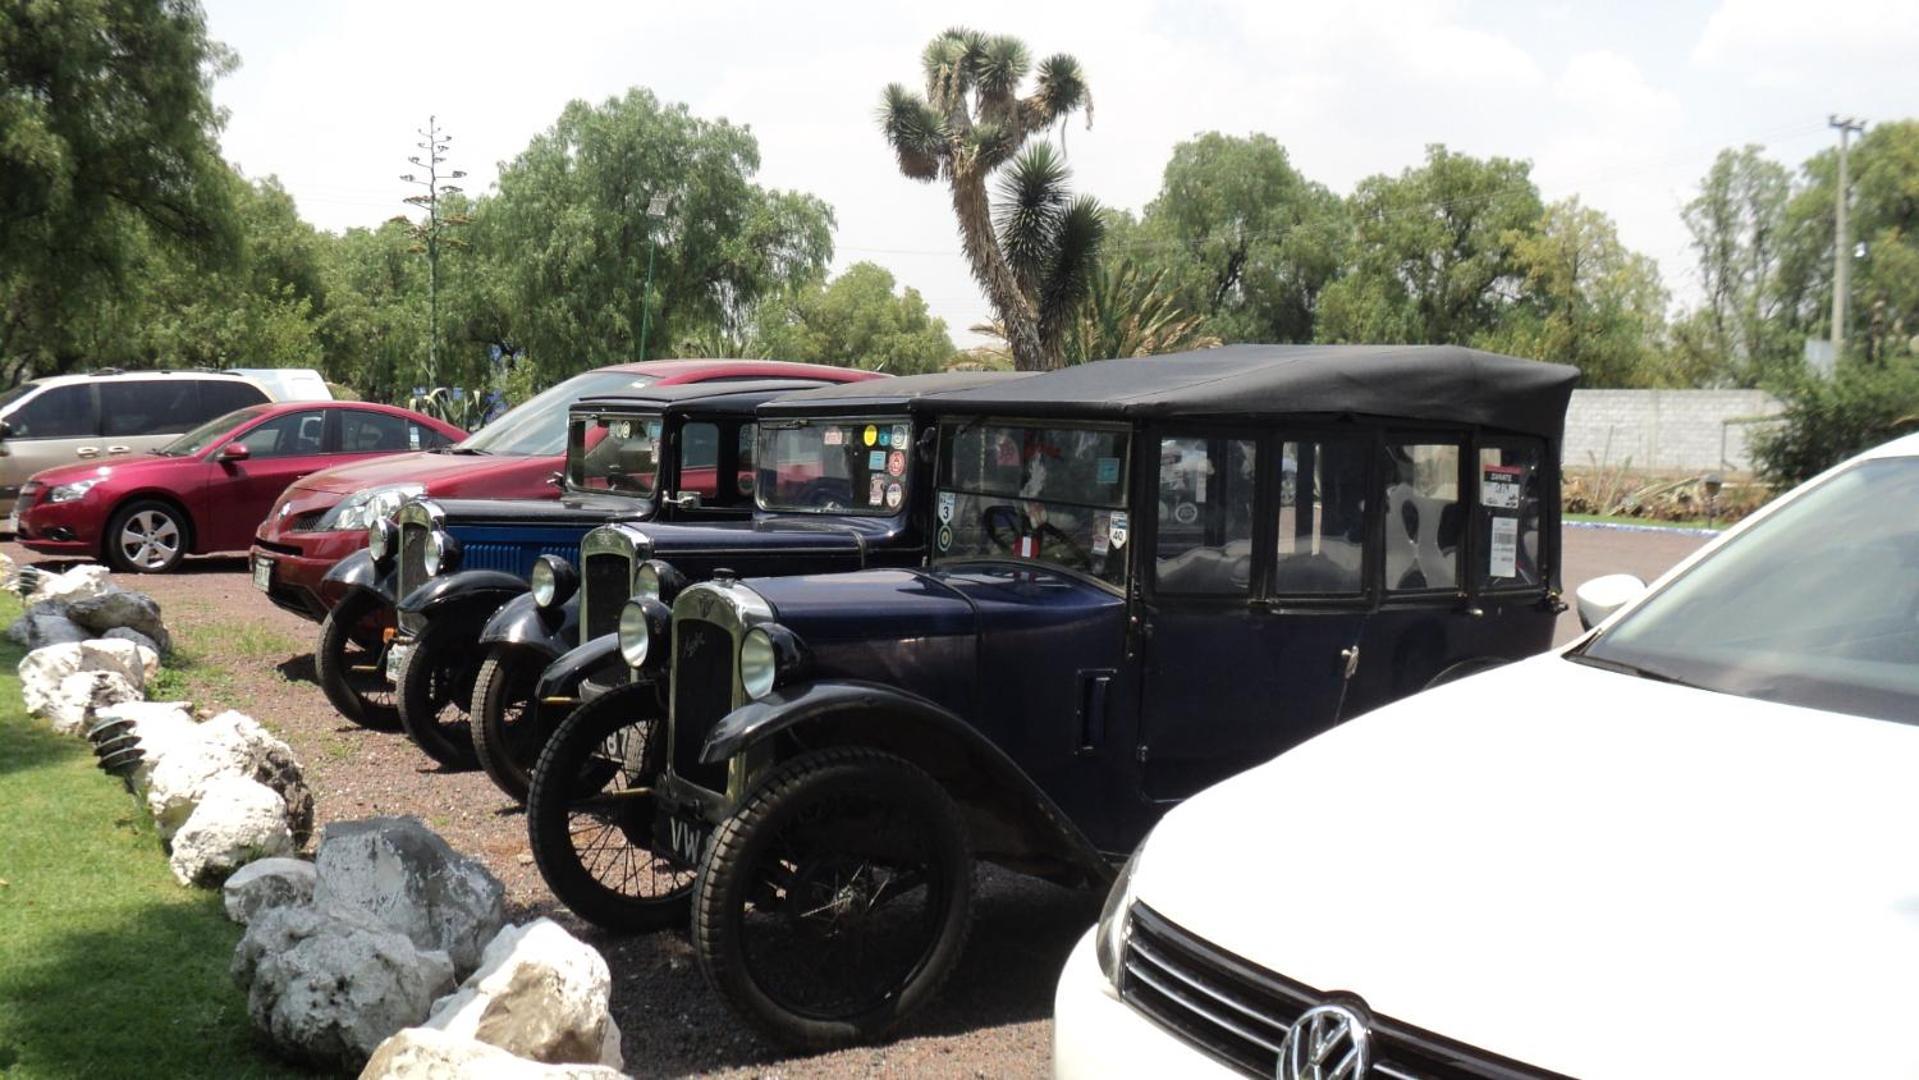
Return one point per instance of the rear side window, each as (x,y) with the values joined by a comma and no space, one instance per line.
(134,407)
(287,436)
(421,437)
(366,432)
(63,412)
(1424,523)
(1205,517)
(700,459)
(1506,524)
(1322,517)
(747,436)
(219,397)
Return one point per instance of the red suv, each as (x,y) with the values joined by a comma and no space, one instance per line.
(324,517)
(208,489)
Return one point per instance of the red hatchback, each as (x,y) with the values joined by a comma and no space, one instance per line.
(209,489)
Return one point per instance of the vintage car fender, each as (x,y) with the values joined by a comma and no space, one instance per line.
(358,571)
(922,731)
(522,622)
(487,588)
(562,677)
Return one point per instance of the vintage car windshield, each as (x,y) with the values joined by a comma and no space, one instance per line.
(537,426)
(835,466)
(210,432)
(1817,606)
(614,453)
(1051,493)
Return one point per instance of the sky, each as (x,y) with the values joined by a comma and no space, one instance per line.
(1621,103)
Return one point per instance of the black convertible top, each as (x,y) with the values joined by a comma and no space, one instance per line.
(718,396)
(885,395)
(1419,382)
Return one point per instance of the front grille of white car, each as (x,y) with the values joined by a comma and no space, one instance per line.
(1239,1013)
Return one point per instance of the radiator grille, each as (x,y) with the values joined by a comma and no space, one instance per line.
(702,695)
(412,572)
(608,586)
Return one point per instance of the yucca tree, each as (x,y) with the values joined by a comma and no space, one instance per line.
(970,122)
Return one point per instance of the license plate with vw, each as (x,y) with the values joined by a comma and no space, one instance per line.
(395,660)
(681,836)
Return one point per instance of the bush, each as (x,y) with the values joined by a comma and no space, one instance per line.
(1828,420)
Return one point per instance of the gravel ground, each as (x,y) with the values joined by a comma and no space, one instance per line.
(994,1017)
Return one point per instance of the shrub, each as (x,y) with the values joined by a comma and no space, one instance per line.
(1829,420)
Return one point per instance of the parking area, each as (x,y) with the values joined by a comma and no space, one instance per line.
(241,652)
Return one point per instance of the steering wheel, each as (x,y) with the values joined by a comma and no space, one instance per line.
(823,494)
(1004,519)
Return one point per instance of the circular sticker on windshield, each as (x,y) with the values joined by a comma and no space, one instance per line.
(896,463)
(871,435)
(900,436)
(1186,513)
(895,494)
(945,537)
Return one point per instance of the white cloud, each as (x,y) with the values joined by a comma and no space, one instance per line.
(1791,43)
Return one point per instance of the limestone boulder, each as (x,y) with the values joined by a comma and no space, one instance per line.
(42,669)
(265,884)
(158,725)
(121,609)
(427,1054)
(327,986)
(404,874)
(230,744)
(539,993)
(73,703)
(236,820)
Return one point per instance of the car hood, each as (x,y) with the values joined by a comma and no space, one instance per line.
(574,510)
(866,606)
(419,467)
(130,470)
(1586,871)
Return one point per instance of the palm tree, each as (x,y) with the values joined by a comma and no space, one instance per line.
(970,122)
(1125,314)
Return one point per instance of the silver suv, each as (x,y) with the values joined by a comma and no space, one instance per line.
(65,419)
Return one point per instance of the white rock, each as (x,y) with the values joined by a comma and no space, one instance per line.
(264,884)
(236,821)
(230,744)
(71,707)
(426,1054)
(540,993)
(78,583)
(159,725)
(116,608)
(401,872)
(42,669)
(327,986)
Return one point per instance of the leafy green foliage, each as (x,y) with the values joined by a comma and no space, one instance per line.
(1829,420)
(856,320)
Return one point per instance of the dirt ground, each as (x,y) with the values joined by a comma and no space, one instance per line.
(994,1017)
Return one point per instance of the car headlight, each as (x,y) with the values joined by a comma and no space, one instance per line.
(442,553)
(74,491)
(646,581)
(553,580)
(759,663)
(1109,939)
(363,509)
(382,537)
(636,633)
(656,579)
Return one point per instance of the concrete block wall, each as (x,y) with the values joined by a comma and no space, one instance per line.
(1666,430)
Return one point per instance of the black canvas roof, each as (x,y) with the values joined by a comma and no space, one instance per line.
(1420,382)
(727,395)
(874,395)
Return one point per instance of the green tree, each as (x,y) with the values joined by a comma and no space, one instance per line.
(856,320)
(1738,227)
(970,122)
(1884,308)
(108,145)
(1434,258)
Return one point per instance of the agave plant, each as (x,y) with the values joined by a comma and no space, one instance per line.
(451,404)
(1125,314)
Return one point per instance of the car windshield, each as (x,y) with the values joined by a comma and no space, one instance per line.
(210,432)
(835,466)
(537,426)
(1817,605)
(618,453)
(8,397)
(1053,493)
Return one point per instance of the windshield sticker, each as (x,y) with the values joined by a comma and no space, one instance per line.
(895,494)
(1101,523)
(946,537)
(1027,547)
(832,437)
(947,501)
(871,435)
(901,436)
(876,460)
(1503,554)
(1186,513)
(1499,487)
(1116,529)
(896,463)
(877,494)
(1108,470)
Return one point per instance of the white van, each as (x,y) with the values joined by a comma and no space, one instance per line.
(289,384)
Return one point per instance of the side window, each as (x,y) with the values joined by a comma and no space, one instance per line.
(289,435)
(219,397)
(700,459)
(1322,518)
(1424,520)
(64,412)
(149,407)
(746,440)
(365,432)
(1206,493)
(1506,524)
(421,437)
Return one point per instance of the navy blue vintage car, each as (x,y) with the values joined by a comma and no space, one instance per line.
(841,482)
(493,543)
(1146,575)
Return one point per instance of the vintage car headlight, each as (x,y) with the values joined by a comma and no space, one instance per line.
(442,553)
(364,509)
(636,633)
(759,666)
(74,491)
(1109,939)
(656,579)
(553,580)
(382,538)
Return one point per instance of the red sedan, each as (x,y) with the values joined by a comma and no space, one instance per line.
(209,489)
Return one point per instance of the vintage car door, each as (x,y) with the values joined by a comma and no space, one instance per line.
(1253,598)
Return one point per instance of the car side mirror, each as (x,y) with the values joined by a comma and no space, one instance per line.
(1599,598)
(235,451)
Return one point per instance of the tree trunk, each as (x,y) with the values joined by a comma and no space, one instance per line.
(1016,313)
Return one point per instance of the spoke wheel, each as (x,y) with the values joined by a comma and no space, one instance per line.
(836,900)
(351,661)
(590,810)
(435,681)
(146,538)
(506,736)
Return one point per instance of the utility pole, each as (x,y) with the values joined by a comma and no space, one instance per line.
(1841,242)
(428,235)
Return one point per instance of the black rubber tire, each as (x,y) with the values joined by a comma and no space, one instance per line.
(434,690)
(503,718)
(568,770)
(156,511)
(362,696)
(730,877)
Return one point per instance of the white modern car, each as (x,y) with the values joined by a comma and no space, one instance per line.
(1685,846)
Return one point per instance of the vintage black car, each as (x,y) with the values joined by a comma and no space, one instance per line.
(494,543)
(1147,575)
(837,471)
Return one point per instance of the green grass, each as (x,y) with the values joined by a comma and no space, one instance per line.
(107,966)
(201,667)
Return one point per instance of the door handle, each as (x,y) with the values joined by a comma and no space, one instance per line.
(119,449)
(86,451)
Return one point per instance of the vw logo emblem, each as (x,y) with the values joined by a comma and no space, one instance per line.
(1327,1042)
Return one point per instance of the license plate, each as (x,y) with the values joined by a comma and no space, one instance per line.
(395,657)
(263,573)
(12,523)
(683,837)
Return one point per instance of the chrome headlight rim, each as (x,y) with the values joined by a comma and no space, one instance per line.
(382,539)
(758,663)
(657,579)
(552,581)
(635,633)
(646,581)
(442,554)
